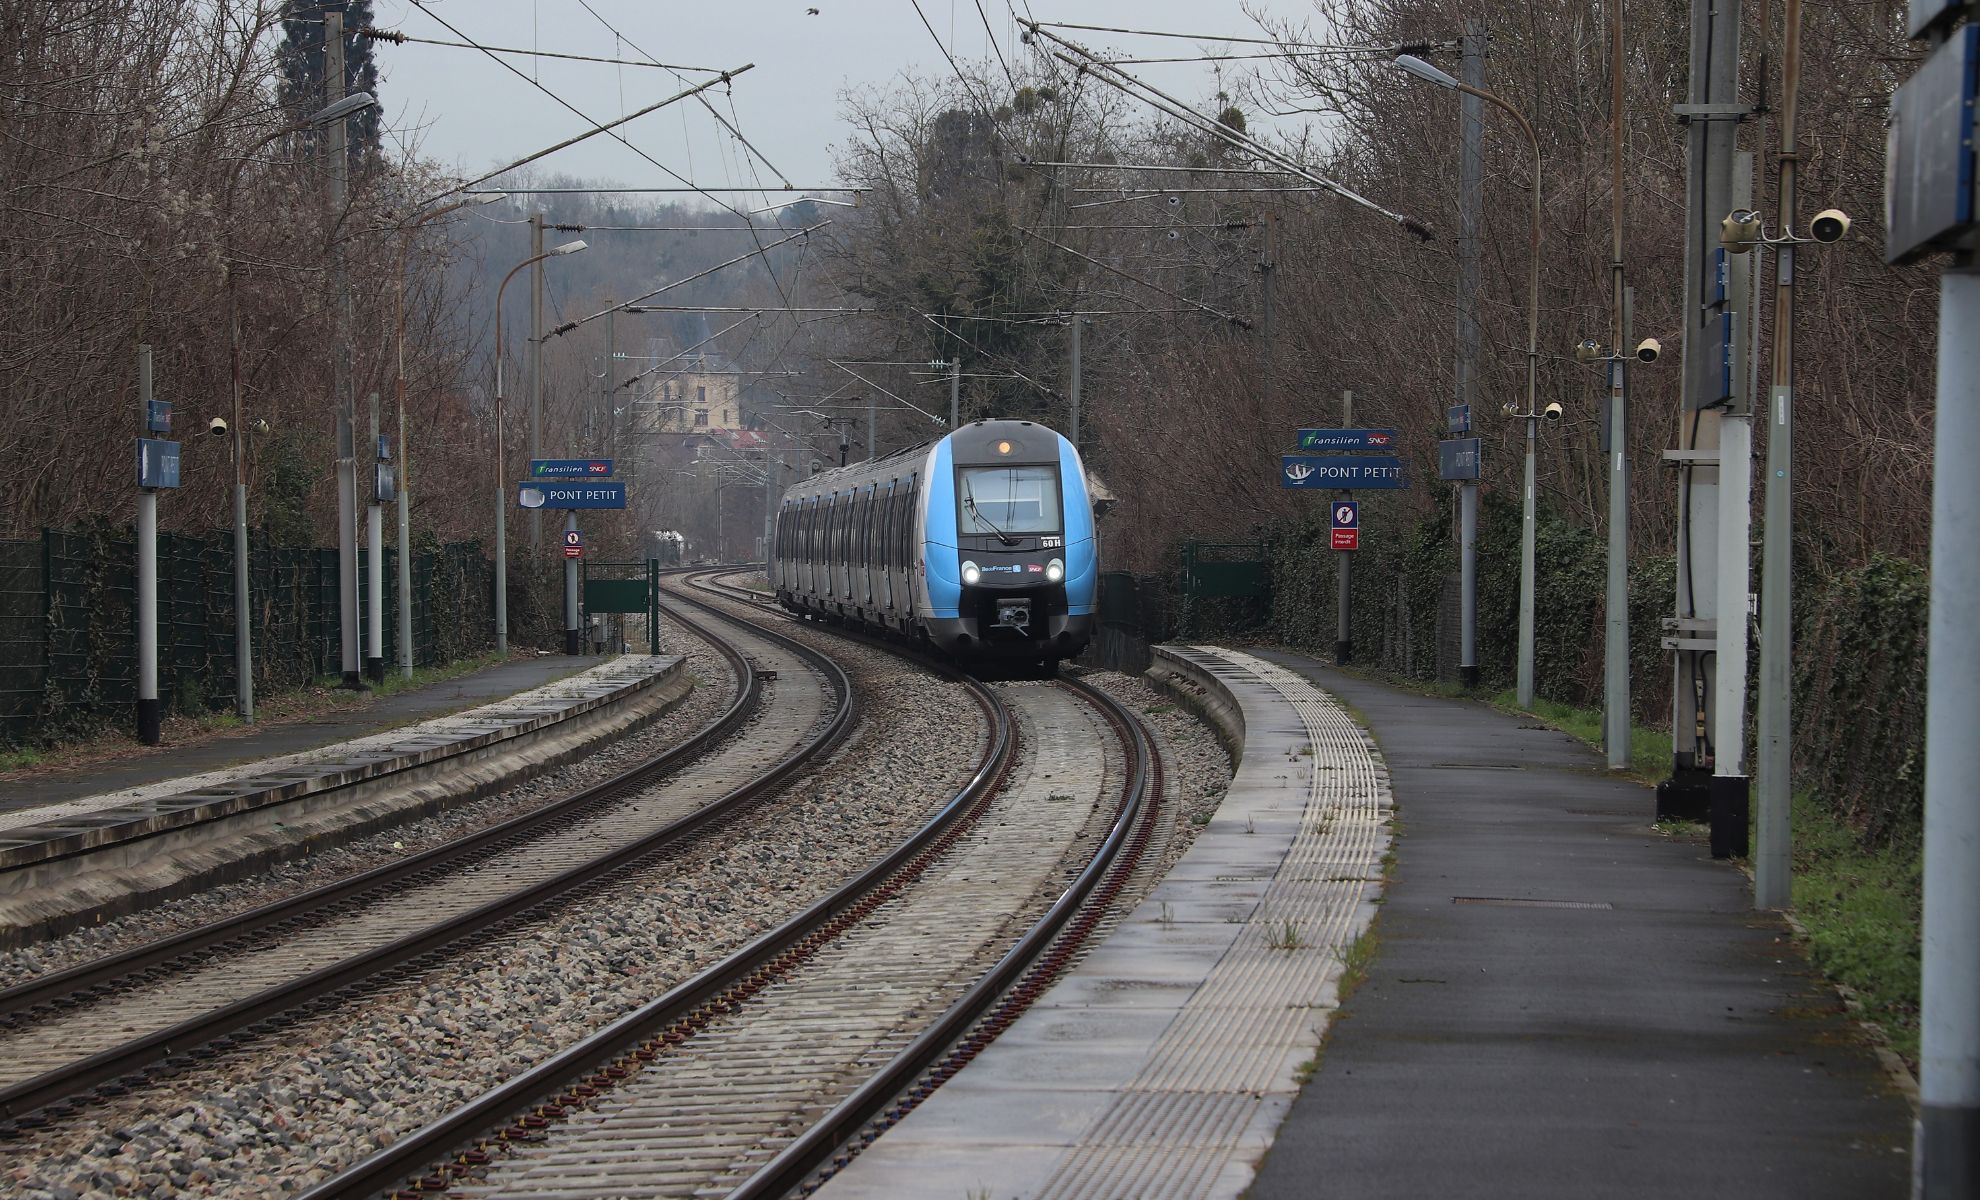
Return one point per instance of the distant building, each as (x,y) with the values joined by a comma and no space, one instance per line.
(695,393)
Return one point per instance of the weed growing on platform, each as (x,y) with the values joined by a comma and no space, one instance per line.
(1649,749)
(1861,909)
(1284,935)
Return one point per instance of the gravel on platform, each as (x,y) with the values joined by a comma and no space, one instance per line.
(714,691)
(284,1112)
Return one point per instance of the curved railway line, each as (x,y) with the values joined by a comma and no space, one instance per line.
(767,1071)
(93,1032)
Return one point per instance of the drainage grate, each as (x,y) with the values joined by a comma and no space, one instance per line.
(1510,902)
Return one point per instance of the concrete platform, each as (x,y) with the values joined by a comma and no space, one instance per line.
(1562,1002)
(63,861)
(1162,1063)
(1567,1003)
(147,765)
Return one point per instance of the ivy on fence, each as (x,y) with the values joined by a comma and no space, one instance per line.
(1859,685)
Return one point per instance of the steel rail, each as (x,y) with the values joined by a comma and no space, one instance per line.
(527,1103)
(1027,966)
(173,1048)
(90,980)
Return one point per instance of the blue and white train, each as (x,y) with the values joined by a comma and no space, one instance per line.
(980,542)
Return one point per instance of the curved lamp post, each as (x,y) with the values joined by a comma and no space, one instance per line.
(501,489)
(399,389)
(1424,71)
(352,104)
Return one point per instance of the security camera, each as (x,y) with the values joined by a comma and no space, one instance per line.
(1174,234)
(1649,350)
(1740,231)
(1509,408)
(1829,225)
(217,427)
(1552,412)
(1174,201)
(1589,351)
(258,425)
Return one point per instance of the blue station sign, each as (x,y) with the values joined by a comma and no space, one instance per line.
(537,493)
(1372,472)
(1457,418)
(1347,439)
(1457,458)
(570,468)
(158,463)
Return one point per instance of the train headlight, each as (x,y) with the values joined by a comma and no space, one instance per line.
(971,573)
(1055,570)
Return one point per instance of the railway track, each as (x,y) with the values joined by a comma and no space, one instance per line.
(94,1032)
(751,1077)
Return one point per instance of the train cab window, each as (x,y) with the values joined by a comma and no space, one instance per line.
(1007,500)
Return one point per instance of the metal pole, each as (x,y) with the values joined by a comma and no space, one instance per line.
(1615,649)
(1524,683)
(374,535)
(347,598)
(536,364)
(1268,271)
(1471,205)
(149,713)
(1711,135)
(403,479)
(1729,783)
(243,607)
(872,425)
(1947,1152)
(501,500)
(1073,437)
(955,392)
(1343,631)
(1775,757)
(571,630)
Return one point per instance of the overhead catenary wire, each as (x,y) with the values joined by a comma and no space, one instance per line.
(1240,322)
(640,301)
(897,396)
(1399,48)
(736,133)
(1126,83)
(423,6)
(567,143)
(400,38)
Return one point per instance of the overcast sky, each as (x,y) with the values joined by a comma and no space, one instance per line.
(466,111)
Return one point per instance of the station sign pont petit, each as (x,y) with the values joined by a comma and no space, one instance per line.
(606,493)
(1365,472)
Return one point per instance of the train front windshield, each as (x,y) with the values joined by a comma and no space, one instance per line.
(1007,500)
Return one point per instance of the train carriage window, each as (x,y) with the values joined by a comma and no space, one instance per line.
(887,530)
(866,526)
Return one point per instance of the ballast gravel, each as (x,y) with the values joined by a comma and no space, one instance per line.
(281,1113)
(713,692)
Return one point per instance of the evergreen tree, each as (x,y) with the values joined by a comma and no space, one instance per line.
(301,61)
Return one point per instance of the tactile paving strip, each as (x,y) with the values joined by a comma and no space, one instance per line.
(1162,1064)
(1173,1129)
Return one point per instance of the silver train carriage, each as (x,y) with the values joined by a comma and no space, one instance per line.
(981,542)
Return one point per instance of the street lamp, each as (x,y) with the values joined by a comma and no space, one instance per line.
(1424,71)
(404,480)
(501,488)
(243,615)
